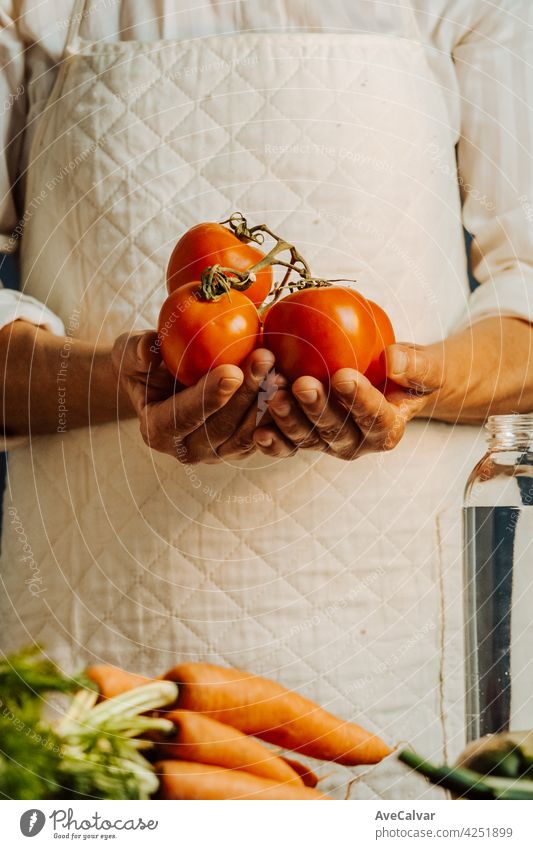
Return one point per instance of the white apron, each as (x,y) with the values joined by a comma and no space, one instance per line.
(342,580)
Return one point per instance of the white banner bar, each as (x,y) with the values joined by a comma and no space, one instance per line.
(269,825)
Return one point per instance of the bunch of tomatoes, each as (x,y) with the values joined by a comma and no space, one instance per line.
(223,302)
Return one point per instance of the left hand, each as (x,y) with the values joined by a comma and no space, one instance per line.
(205,423)
(353,418)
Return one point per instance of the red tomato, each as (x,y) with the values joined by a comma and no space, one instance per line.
(384,336)
(318,331)
(212,244)
(197,335)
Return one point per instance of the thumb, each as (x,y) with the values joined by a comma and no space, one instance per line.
(148,351)
(415,367)
(135,355)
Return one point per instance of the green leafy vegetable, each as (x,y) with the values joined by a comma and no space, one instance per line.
(93,751)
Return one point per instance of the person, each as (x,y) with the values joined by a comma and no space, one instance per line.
(298,547)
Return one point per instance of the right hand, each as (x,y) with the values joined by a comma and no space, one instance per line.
(205,423)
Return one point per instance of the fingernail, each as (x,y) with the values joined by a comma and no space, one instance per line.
(282,409)
(346,387)
(261,369)
(400,362)
(264,441)
(307,396)
(228,384)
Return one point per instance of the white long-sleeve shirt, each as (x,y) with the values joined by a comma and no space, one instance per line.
(481,53)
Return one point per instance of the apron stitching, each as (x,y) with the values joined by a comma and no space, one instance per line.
(344,565)
(91,48)
(270,629)
(377,528)
(125,235)
(230,136)
(43,123)
(109,129)
(312,606)
(285,578)
(442,642)
(198,103)
(120,167)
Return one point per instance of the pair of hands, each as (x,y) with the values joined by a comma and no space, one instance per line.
(218,419)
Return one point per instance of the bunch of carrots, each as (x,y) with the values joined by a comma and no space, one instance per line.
(213,751)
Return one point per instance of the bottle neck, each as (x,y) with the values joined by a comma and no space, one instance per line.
(510,433)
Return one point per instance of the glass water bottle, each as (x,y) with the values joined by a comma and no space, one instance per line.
(498,575)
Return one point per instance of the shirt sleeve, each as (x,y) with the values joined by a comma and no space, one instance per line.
(13,107)
(494,66)
(14,305)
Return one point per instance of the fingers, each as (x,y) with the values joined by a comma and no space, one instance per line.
(241,442)
(331,421)
(133,357)
(256,370)
(415,367)
(236,421)
(166,424)
(136,352)
(148,351)
(219,417)
(271,442)
(354,419)
(293,423)
(381,423)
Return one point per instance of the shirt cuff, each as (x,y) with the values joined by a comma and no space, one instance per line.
(504,297)
(14,306)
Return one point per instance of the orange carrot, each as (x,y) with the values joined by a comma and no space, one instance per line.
(185,780)
(204,740)
(307,775)
(112,681)
(265,709)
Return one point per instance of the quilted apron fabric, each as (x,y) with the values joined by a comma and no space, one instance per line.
(342,580)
